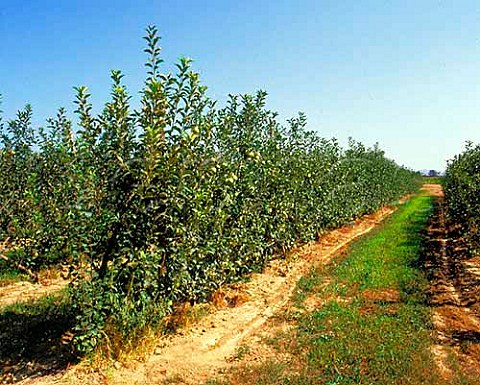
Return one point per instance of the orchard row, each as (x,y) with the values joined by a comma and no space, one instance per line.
(164,203)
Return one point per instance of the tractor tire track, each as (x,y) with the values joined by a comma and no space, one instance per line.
(454,297)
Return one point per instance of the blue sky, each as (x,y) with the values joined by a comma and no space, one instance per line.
(405,73)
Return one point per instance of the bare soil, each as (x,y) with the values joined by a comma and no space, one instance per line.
(454,294)
(434,190)
(24,291)
(198,352)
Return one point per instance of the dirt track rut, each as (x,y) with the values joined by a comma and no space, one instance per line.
(454,296)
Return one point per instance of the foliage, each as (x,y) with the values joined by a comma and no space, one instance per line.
(462,193)
(166,202)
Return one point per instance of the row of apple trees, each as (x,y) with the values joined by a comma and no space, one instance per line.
(163,203)
(462,194)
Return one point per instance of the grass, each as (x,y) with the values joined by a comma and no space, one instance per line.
(8,277)
(374,325)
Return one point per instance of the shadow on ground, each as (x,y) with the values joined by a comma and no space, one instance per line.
(35,340)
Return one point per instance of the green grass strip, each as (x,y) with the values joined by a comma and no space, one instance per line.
(388,257)
(376,330)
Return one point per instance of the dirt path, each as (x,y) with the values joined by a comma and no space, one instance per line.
(434,190)
(198,352)
(25,291)
(454,296)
